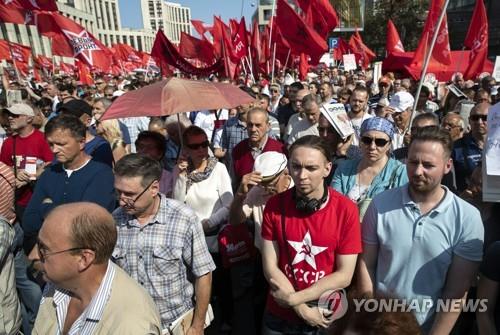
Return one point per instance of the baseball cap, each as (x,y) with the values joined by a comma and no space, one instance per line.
(401,101)
(76,107)
(20,109)
(270,164)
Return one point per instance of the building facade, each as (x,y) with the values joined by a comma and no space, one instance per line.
(171,17)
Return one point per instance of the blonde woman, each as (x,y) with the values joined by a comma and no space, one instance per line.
(110,130)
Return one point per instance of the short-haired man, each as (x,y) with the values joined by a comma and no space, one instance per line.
(454,124)
(87,293)
(258,141)
(310,242)
(468,151)
(275,91)
(422,242)
(75,177)
(286,111)
(309,124)
(66,93)
(264,103)
(358,112)
(95,146)
(297,117)
(161,243)
(53,94)
(326,93)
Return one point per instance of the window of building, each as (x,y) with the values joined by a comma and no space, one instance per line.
(124,39)
(139,43)
(108,15)
(115,17)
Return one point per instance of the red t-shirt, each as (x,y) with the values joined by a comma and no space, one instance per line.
(313,240)
(33,145)
(242,155)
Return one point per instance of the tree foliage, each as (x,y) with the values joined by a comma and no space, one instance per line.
(408,17)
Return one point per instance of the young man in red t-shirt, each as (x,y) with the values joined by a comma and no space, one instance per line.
(318,247)
(28,148)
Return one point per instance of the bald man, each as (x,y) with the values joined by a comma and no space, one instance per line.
(87,293)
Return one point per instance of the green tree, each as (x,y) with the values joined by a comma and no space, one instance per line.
(408,17)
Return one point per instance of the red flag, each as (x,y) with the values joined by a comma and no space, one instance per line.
(43,62)
(441,52)
(23,11)
(363,53)
(15,52)
(342,49)
(126,53)
(84,73)
(303,66)
(316,21)
(165,53)
(300,37)
(393,42)
(477,41)
(67,68)
(199,26)
(240,40)
(192,47)
(85,46)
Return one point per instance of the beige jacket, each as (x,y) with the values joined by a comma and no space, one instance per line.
(129,310)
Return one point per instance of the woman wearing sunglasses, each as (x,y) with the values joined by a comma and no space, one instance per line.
(203,183)
(363,178)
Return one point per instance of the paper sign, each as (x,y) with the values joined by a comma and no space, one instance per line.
(30,167)
(338,118)
(496,69)
(349,62)
(492,147)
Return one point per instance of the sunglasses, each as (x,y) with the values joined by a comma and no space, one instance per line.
(379,142)
(476,117)
(195,146)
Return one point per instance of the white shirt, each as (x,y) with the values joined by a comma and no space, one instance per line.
(302,128)
(206,119)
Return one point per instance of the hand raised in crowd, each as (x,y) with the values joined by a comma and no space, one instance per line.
(343,146)
(248,181)
(23,178)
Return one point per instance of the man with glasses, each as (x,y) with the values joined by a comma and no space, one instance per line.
(400,107)
(87,293)
(454,124)
(468,151)
(275,91)
(161,244)
(73,177)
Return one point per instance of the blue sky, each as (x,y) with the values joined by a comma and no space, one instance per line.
(200,10)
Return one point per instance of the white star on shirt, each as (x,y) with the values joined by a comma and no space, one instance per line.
(306,251)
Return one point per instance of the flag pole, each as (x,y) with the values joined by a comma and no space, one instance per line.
(272,24)
(426,63)
(274,62)
(286,61)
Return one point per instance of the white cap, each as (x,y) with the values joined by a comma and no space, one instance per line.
(118,93)
(270,164)
(401,101)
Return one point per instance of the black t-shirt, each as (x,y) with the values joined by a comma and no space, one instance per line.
(491,270)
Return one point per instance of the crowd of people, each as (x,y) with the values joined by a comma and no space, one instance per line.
(241,221)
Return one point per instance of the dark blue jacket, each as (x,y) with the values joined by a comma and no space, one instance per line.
(93,183)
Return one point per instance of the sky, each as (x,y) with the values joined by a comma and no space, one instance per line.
(203,10)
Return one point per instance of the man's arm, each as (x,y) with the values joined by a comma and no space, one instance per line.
(460,276)
(339,279)
(202,287)
(366,268)
(236,212)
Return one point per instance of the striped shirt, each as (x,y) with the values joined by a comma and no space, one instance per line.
(7,186)
(88,320)
(165,255)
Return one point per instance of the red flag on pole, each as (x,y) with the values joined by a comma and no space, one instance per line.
(341,49)
(85,46)
(300,37)
(23,11)
(200,27)
(477,41)
(192,47)
(441,52)
(240,40)
(303,66)
(84,73)
(393,42)
(363,53)
(126,53)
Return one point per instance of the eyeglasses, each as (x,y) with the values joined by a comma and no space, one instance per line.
(416,128)
(195,146)
(379,142)
(43,254)
(130,202)
(451,126)
(476,117)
